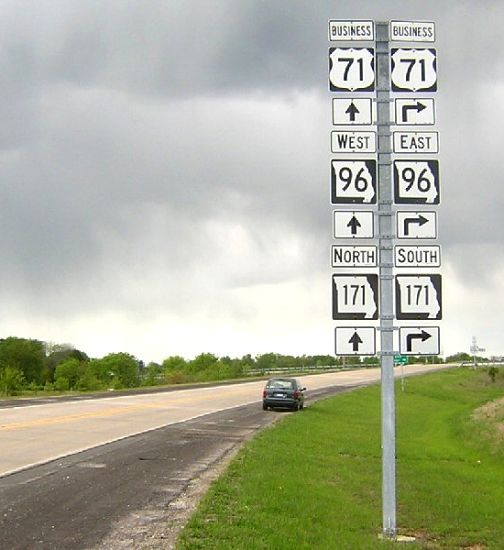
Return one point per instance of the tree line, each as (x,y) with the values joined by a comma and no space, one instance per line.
(33,365)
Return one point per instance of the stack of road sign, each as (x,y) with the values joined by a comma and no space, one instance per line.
(355,186)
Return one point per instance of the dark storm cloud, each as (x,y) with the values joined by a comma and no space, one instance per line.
(104,166)
(151,151)
(170,48)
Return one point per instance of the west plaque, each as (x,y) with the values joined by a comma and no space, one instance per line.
(345,141)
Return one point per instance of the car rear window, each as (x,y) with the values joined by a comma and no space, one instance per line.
(281,384)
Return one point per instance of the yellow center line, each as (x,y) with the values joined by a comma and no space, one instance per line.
(108,412)
(69,418)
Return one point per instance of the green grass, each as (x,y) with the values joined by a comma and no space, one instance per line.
(314,479)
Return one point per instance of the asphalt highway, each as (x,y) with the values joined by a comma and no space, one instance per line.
(119,472)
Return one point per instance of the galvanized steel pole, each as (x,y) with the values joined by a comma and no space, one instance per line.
(386,236)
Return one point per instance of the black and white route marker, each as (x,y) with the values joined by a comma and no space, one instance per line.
(419,341)
(416,182)
(351,70)
(418,297)
(355,296)
(355,340)
(353,181)
(413,69)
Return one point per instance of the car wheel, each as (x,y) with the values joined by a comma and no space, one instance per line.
(265,407)
(296,407)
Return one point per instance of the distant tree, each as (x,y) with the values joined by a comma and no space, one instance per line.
(88,381)
(247,362)
(70,370)
(58,353)
(119,370)
(11,380)
(61,384)
(26,355)
(202,362)
(175,362)
(152,374)
(492,372)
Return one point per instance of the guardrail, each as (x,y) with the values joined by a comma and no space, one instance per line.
(298,370)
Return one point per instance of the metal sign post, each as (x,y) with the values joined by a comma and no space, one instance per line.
(385,239)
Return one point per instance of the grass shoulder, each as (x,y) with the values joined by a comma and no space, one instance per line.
(313,480)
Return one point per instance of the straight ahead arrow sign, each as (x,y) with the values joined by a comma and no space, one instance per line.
(355,340)
(352,111)
(353,224)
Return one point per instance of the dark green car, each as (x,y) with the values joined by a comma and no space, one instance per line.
(283,393)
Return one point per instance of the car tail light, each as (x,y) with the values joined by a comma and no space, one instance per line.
(265,393)
(296,394)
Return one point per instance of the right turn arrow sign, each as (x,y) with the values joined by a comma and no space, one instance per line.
(414,112)
(419,341)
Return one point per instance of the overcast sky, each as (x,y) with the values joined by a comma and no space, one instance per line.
(165,180)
